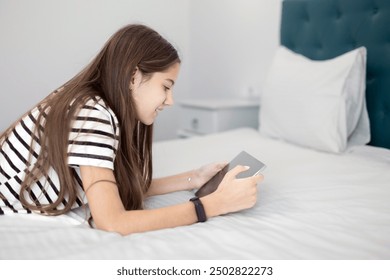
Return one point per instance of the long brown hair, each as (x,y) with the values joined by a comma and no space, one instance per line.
(108,76)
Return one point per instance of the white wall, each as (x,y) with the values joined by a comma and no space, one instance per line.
(43,43)
(232,43)
(225,46)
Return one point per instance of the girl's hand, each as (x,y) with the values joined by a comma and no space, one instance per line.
(233,194)
(206,172)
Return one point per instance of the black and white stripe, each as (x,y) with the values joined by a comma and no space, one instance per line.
(93,140)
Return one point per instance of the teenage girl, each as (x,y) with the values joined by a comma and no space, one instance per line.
(90,141)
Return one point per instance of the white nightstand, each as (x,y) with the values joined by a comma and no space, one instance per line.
(203,116)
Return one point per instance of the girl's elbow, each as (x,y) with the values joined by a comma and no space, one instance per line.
(112,225)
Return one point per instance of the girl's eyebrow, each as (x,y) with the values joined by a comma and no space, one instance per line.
(172,81)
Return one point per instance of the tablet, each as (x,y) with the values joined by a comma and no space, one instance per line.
(242,158)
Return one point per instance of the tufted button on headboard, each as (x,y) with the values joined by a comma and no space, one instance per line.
(324,29)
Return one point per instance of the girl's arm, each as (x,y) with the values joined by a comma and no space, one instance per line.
(180,182)
(109,214)
(185,181)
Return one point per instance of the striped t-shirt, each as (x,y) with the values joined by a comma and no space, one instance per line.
(93,141)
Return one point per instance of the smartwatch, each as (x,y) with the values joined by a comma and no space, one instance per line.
(200,213)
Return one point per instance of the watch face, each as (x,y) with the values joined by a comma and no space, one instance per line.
(199,209)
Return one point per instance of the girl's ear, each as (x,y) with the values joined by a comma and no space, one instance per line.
(136,78)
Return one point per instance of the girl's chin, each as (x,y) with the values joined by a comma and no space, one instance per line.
(150,120)
(147,122)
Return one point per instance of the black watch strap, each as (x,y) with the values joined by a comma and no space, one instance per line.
(200,213)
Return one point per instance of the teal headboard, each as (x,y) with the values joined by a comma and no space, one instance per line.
(323,29)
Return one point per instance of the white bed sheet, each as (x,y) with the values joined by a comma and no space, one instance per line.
(311,205)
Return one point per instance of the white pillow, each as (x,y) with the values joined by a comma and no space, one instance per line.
(316,104)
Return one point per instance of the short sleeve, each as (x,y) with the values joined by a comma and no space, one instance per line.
(93,139)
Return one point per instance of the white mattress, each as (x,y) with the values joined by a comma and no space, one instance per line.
(311,205)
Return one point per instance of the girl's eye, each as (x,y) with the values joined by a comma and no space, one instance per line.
(166,88)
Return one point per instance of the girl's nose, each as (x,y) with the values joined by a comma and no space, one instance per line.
(169,101)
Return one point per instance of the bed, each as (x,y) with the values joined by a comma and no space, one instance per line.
(318,200)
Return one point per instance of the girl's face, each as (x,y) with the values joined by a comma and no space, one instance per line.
(154,94)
